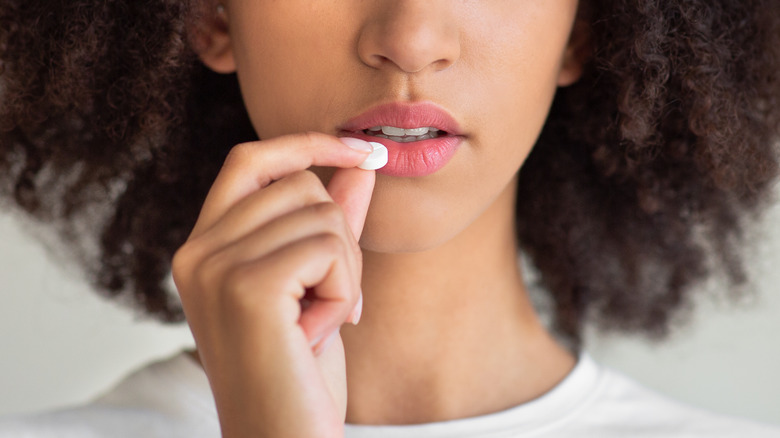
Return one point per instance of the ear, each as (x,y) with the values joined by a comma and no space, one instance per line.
(210,38)
(577,53)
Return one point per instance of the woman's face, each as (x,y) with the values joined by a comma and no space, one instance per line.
(493,65)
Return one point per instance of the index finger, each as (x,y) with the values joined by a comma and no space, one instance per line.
(252,166)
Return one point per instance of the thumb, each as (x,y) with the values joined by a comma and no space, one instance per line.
(352,189)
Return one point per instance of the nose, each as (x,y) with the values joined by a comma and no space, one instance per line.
(410,35)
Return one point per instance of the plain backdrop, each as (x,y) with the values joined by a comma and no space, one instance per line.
(61,344)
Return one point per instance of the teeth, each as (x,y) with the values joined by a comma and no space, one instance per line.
(392,131)
(417,131)
(402,135)
(400,132)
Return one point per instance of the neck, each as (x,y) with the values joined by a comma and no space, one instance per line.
(449,332)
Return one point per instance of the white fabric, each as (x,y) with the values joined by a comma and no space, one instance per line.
(172,399)
(168,399)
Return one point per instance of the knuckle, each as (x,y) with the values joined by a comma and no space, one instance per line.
(210,272)
(235,295)
(183,261)
(239,153)
(329,243)
(236,284)
(306,178)
(329,213)
(311,142)
(310,138)
(306,182)
(180,260)
(249,288)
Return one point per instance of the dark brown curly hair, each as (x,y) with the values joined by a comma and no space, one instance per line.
(647,167)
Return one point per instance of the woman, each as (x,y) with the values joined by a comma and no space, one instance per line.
(618,144)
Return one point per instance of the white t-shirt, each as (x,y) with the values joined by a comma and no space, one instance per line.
(172,399)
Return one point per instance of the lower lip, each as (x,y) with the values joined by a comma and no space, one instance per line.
(417,158)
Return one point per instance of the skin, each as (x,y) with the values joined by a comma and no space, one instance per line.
(434,257)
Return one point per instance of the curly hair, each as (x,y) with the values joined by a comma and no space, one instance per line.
(638,188)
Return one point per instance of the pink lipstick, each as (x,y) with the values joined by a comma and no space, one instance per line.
(420,138)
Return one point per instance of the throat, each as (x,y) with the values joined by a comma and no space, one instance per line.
(434,377)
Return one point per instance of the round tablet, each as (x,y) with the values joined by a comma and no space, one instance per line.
(376,159)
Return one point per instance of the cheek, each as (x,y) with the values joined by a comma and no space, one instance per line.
(519,68)
(287,58)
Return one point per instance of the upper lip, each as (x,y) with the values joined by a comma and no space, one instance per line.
(405,115)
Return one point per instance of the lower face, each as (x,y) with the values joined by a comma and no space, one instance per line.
(493,65)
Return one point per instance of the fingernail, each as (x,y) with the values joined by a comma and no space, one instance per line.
(325,344)
(357,144)
(314,342)
(358,312)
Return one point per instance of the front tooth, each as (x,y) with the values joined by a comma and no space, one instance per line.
(393,131)
(417,131)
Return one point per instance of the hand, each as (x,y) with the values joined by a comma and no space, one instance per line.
(270,237)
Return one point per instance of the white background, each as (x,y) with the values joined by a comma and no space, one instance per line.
(60,344)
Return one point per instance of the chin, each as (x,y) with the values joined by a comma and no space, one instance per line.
(398,238)
(396,245)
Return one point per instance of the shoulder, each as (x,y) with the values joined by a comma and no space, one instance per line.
(620,406)
(89,422)
(170,398)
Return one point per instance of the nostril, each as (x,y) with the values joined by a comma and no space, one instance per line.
(382,60)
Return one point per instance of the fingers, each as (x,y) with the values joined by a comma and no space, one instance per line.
(266,290)
(352,189)
(316,219)
(270,234)
(262,202)
(252,166)
(316,263)
(290,193)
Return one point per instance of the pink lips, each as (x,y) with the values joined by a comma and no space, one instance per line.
(418,158)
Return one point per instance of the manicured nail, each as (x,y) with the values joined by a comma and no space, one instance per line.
(358,312)
(357,144)
(322,346)
(314,342)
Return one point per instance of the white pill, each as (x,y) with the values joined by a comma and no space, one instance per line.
(377,159)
